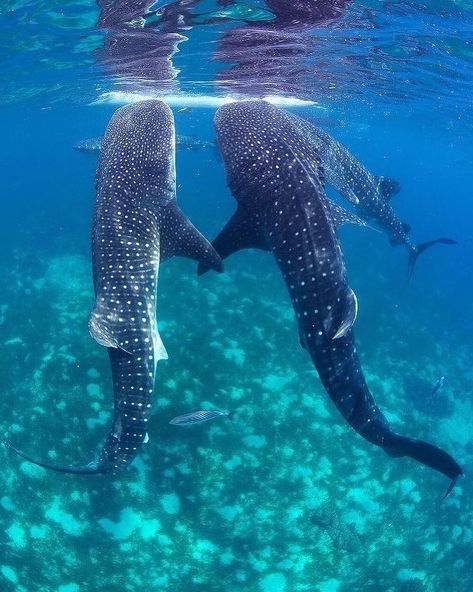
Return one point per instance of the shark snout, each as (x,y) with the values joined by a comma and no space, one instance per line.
(243,113)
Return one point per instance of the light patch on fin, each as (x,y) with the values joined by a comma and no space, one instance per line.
(146,439)
(159,350)
(350,318)
(352,198)
(101,331)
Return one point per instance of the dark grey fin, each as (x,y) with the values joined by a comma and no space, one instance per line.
(102,331)
(351,312)
(419,249)
(90,469)
(341,216)
(242,231)
(450,487)
(90,145)
(388,187)
(406,227)
(427,454)
(180,238)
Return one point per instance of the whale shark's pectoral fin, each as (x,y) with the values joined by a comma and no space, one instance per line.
(341,216)
(180,238)
(102,331)
(351,312)
(242,231)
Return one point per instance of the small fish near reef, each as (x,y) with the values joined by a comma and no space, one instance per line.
(438,385)
(200,416)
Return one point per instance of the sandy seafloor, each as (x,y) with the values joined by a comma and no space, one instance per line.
(285,498)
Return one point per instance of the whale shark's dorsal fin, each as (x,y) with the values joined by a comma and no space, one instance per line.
(180,238)
(242,231)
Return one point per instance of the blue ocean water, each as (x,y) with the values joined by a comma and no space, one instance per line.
(287,497)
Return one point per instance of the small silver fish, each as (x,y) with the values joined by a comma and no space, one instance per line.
(200,416)
(438,385)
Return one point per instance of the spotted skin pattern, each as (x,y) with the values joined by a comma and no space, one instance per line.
(371,194)
(274,173)
(352,180)
(137,224)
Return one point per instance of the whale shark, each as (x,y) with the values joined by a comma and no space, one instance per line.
(370,194)
(137,225)
(275,174)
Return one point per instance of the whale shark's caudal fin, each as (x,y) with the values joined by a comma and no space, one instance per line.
(180,238)
(90,469)
(419,249)
(427,454)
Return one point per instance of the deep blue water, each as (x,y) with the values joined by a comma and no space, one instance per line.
(287,498)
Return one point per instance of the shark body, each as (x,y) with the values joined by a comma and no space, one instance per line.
(137,225)
(370,194)
(275,174)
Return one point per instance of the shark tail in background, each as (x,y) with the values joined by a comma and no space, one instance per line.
(419,249)
(91,469)
(427,454)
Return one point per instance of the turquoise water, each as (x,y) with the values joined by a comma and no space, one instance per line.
(287,497)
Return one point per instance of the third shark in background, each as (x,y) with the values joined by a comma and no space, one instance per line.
(369,193)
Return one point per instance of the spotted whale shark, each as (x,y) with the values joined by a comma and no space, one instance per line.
(137,225)
(370,194)
(276,177)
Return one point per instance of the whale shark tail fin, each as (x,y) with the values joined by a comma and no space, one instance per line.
(419,249)
(388,187)
(91,469)
(428,455)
